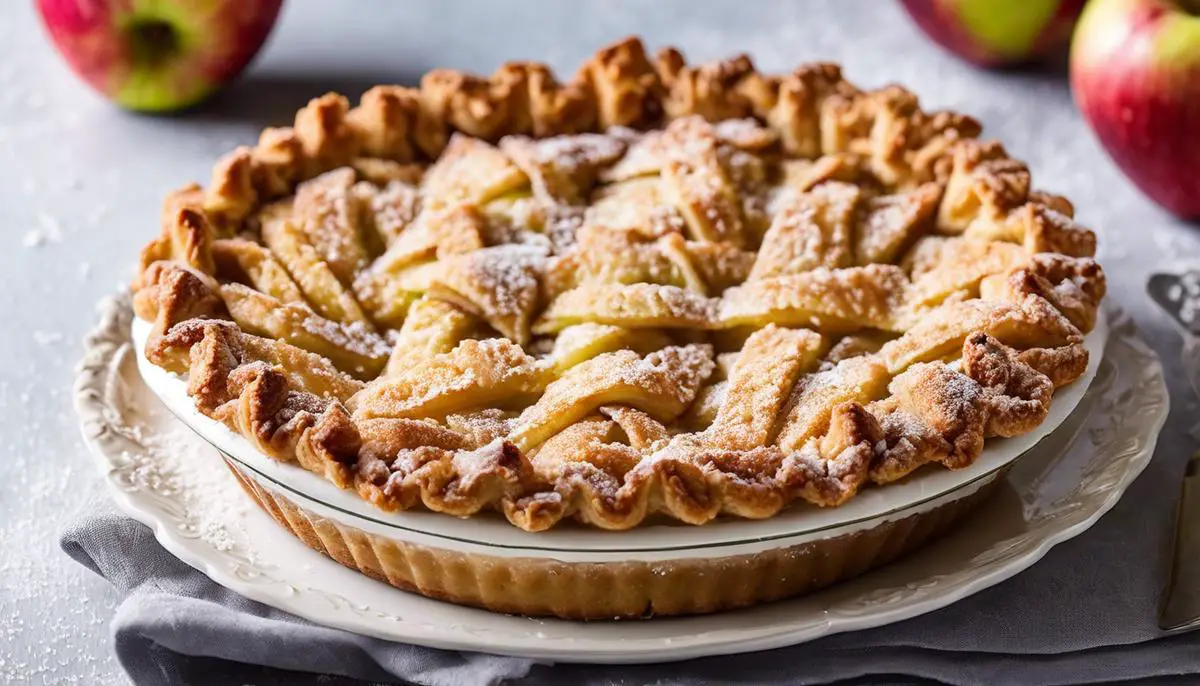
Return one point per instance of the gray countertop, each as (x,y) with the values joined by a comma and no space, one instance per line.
(81,183)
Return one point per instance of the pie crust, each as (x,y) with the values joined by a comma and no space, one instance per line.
(656,290)
(574,573)
(627,589)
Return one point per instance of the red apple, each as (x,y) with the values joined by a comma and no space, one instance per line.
(996,33)
(1135,72)
(158,55)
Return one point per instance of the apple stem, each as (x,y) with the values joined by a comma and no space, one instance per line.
(154,41)
(1192,7)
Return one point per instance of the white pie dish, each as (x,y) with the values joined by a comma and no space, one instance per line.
(426,551)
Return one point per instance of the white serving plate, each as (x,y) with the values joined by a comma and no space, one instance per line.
(492,535)
(1058,490)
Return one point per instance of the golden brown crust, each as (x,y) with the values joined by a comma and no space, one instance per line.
(715,91)
(394,123)
(187,235)
(785,289)
(286,401)
(171,294)
(797,108)
(627,89)
(606,591)
(277,162)
(327,140)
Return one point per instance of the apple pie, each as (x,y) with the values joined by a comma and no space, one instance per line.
(654,290)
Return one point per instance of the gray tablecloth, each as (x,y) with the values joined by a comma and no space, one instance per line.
(1068,620)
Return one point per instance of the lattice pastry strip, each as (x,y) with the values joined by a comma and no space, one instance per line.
(316,279)
(470,171)
(640,205)
(887,225)
(806,415)
(802,175)
(704,409)
(759,384)
(329,214)
(405,271)
(956,266)
(581,342)
(475,374)
(835,301)
(501,285)
(837,225)
(698,180)
(1031,322)
(719,265)
(353,347)
(662,384)
(248,262)
(389,209)
(810,230)
(388,297)
(563,169)
(622,257)
(436,233)
(432,328)
(639,305)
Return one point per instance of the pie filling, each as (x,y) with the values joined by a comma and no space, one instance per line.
(657,288)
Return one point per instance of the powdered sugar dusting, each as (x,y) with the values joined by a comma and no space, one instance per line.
(47,231)
(175,463)
(45,338)
(394,207)
(353,336)
(503,279)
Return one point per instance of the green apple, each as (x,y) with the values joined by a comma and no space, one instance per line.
(993,33)
(158,55)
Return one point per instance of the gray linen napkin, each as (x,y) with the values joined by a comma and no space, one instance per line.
(1069,620)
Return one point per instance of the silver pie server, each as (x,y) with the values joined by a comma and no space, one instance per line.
(1179,611)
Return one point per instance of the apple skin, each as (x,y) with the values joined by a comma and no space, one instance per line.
(158,55)
(1135,73)
(997,33)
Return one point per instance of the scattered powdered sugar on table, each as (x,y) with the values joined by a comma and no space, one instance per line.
(47,231)
(175,463)
(45,338)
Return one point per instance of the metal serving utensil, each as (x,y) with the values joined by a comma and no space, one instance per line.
(1179,296)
